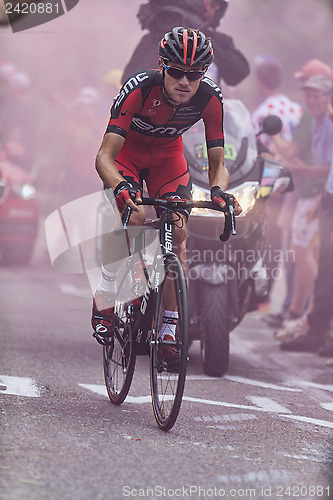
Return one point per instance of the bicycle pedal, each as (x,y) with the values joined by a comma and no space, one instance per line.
(102,340)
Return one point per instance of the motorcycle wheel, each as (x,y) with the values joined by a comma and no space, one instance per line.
(215,329)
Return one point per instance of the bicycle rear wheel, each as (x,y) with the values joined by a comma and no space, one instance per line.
(167,382)
(119,355)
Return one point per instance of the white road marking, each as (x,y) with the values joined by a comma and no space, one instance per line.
(101,389)
(313,385)
(314,421)
(264,404)
(268,404)
(258,383)
(235,417)
(327,406)
(19,386)
(303,457)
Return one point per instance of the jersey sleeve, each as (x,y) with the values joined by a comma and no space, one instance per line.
(123,110)
(129,101)
(213,120)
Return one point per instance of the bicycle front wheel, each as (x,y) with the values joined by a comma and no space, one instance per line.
(167,380)
(119,356)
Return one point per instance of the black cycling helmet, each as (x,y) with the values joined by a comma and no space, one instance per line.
(187,46)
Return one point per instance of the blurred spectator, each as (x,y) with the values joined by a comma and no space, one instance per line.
(316,82)
(80,140)
(65,94)
(269,77)
(19,132)
(316,327)
(110,89)
(7,70)
(160,16)
(309,172)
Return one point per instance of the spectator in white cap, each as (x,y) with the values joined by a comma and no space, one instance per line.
(316,82)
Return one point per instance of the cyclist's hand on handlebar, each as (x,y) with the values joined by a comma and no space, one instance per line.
(222,198)
(238,208)
(126,194)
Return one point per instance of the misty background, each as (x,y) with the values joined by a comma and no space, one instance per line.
(89,47)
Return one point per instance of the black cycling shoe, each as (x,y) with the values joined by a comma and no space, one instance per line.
(305,343)
(102,319)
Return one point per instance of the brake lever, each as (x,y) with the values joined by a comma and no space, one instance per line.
(124,221)
(125,217)
(230,222)
(233,220)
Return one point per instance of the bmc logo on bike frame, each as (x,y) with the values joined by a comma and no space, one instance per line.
(154,278)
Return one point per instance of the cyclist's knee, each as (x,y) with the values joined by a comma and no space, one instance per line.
(138,218)
(180,235)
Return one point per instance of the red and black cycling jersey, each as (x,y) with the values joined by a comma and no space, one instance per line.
(142,114)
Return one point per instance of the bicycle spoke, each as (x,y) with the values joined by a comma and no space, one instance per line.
(119,357)
(168,374)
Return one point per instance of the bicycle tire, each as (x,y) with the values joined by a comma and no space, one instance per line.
(167,383)
(119,356)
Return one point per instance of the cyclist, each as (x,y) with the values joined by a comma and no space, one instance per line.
(148,117)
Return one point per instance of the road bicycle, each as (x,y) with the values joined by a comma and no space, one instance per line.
(138,320)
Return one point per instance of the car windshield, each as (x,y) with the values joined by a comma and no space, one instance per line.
(237,126)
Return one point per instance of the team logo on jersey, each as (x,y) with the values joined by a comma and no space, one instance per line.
(156,103)
(129,86)
(154,130)
(186,108)
(214,86)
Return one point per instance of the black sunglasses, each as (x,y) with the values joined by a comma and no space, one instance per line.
(178,73)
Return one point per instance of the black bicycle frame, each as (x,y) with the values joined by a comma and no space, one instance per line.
(167,222)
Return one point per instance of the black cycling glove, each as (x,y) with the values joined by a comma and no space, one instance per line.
(217,195)
(123,192)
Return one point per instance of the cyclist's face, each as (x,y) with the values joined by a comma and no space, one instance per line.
(180,91)
(316,101)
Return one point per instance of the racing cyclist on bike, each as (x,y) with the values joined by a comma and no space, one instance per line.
(148,117)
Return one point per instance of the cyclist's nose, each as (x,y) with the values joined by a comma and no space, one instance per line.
(184,80)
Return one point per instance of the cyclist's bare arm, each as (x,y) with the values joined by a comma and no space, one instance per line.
(218,173)
(105,163)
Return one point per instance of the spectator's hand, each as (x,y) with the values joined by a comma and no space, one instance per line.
(295,165)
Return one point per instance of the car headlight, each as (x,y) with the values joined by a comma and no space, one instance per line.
(202,194)
(25,191)
(245,193)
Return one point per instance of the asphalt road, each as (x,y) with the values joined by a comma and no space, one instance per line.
(262,431)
